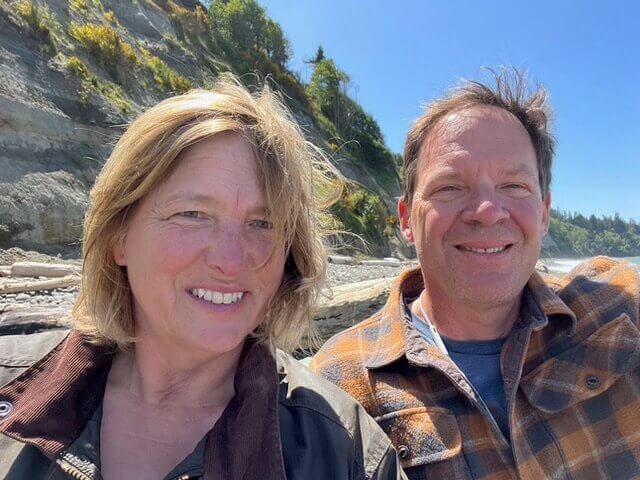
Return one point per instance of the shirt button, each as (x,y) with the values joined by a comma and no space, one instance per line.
(592,382)
(5,408)
(403,451)
(507,381)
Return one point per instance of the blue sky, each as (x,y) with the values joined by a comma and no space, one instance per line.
(400,54)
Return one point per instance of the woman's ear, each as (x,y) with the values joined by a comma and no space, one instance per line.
(118,251)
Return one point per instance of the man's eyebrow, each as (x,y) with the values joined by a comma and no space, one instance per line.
(519,170)
(446,174)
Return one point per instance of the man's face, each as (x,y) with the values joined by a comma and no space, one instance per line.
(477,216)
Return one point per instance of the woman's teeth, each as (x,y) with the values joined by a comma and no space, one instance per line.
(217,298)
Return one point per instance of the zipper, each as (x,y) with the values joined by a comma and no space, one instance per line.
(72,470)
(78,468)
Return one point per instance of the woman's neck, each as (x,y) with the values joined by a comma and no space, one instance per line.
(154,376)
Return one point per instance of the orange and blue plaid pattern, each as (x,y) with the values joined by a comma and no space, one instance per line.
(571,372)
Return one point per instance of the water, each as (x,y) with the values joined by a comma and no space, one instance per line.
(563,265)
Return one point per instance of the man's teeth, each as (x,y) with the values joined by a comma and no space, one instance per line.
(484,250)
(216,297)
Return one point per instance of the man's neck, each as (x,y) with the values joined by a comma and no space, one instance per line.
(467,322)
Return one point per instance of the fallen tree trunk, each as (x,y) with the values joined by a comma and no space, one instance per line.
(349,305)
(34,286)
(50,270)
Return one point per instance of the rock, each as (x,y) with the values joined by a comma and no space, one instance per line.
(42,209)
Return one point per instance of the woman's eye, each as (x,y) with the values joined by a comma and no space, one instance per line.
(262,224)
(190,214)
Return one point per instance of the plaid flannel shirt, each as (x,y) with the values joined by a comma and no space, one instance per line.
(571,373)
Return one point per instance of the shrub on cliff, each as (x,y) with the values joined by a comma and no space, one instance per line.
(106,45)
(167,79)
(40,21)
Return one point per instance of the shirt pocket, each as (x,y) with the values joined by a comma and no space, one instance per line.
(585,370)
(422,435)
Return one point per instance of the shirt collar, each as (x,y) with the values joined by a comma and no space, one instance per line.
(395,336)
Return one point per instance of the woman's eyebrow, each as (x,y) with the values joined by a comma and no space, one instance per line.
(204,199)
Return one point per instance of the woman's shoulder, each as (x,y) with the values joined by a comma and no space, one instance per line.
(330,420)
(19,352)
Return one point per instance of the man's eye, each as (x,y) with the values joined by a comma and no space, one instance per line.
(448,188)
(262,224)
(515,186)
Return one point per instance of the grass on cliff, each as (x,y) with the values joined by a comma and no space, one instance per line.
(41,22)
(167,79)
(106,45)
(91,84)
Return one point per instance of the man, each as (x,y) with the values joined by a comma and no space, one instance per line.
(477,368)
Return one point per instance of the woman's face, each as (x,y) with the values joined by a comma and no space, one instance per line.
(200,252)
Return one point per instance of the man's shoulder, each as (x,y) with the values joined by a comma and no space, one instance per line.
(348,349)
(601,286)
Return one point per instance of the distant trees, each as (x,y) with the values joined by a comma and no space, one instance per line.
(245,25)
(578,235)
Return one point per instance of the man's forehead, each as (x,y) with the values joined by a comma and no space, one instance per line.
(456,122)
(463,123)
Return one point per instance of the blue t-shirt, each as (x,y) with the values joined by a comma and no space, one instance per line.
(479,360)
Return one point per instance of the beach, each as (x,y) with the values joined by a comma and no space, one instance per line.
(560,266)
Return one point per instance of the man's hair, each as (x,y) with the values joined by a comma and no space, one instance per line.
(510,91)
(297,180)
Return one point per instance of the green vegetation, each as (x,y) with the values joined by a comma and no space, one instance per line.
(361,212)
(90,83)
(341,116)
(110,17)
(243,25)
(577,235)
(167,79)
(40,22)
(106,45)
(79,6)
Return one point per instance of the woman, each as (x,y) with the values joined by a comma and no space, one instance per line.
(201,258)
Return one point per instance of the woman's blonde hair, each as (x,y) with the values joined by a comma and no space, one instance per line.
(297,180)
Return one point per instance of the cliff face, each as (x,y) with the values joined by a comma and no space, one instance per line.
(52,142)
(65,98)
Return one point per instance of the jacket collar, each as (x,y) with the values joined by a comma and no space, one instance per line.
(395,336)
(55,398)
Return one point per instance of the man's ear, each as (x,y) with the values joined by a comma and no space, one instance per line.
(546,213)
(404,214)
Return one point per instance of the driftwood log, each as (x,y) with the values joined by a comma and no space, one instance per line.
(38,285)
(49,270)
(350,304)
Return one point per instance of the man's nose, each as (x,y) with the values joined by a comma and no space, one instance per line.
(486,207)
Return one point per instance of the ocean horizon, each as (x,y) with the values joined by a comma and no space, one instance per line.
(563,265)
